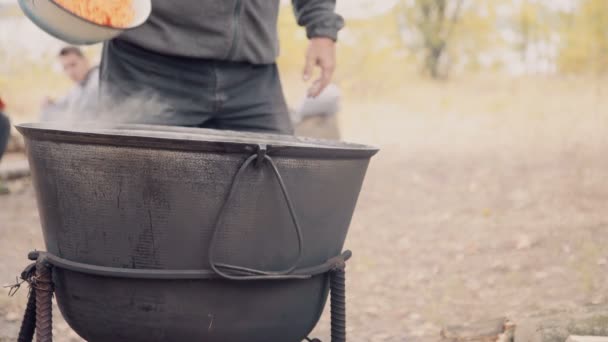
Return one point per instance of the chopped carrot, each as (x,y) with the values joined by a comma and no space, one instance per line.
(114,13)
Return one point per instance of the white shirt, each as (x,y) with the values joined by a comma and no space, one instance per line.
(79,104)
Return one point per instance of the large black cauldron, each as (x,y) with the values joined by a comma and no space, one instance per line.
(152,228)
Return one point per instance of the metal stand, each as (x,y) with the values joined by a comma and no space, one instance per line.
(38,315)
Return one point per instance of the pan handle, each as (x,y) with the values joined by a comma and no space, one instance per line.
(234,272)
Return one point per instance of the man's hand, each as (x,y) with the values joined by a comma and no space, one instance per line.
(322,53)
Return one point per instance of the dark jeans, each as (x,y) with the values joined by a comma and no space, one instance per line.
(193,92)
(5,132)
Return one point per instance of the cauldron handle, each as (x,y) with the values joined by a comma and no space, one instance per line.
(249,273)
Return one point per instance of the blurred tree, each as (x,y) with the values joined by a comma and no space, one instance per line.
(585,39)
(444,32)
(527,19)
(527,25)
(534,25)
(433,21)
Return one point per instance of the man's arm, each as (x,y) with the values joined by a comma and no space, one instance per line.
(322,24)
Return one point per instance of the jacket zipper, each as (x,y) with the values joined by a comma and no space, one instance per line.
(236,23)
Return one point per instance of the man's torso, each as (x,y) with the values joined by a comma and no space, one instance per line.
(234,30)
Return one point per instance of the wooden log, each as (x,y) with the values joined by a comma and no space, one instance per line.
(15,142)
(557,326)
(575,338)
(14,167)
(494,330)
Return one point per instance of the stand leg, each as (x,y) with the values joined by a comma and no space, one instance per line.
(26,333)
(44,306)
(338,305)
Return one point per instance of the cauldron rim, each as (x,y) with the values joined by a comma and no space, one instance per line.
(187,138)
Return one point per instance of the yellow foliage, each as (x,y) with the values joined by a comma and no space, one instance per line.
(585,46)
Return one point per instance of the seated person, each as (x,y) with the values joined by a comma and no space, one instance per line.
(81,101)
(5,133)
(316,116)
(326,104)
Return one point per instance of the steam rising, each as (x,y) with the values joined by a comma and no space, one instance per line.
(143,108)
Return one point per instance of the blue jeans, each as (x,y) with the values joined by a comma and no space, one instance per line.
(193,92)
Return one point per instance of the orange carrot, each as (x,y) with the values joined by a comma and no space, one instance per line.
(114,13)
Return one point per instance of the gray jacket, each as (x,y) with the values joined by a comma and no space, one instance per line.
(233,30)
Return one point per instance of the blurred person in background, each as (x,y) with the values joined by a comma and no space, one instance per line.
(316,117)
(5,133)
(326,104)
(213,62)
(82,99)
